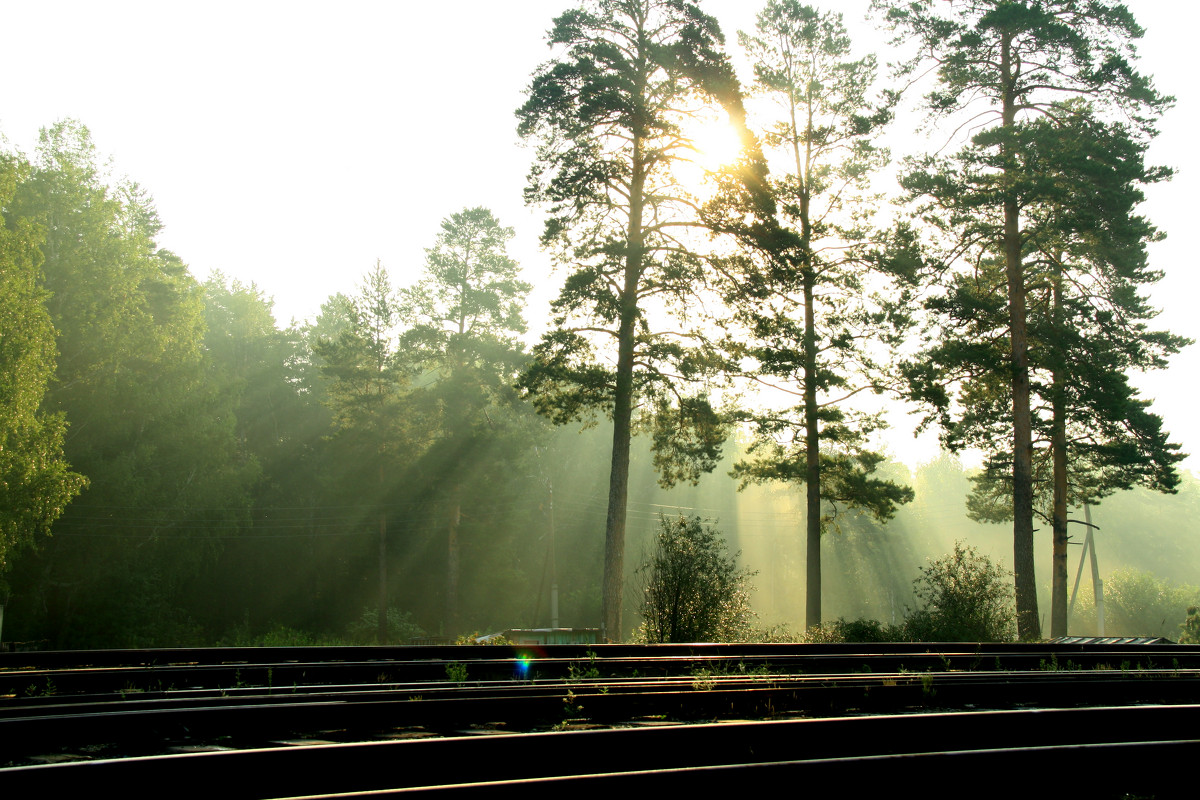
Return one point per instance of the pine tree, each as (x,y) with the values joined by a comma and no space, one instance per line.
(465,316)
(819,317)
(1088,329)
(1013,64)
(610,116)
(378,429)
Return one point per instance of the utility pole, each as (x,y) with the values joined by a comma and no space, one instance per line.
(1089,548)
(553,563)
(381,631)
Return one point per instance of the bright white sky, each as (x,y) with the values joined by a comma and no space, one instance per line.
(290,144)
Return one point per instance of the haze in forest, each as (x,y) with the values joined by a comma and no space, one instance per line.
(260,381)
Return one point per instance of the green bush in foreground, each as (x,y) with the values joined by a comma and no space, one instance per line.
(401,627)
(692,588)
(855,630)
(964,598)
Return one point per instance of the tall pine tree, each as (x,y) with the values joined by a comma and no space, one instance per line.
(610,117)
(818,318)
(1000,66)
(465,314)
(1088,323)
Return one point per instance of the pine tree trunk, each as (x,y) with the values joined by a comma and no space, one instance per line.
(812,434)
(618,485)
(1028,624)
(1058,446)
(618,492)
(452,564)
(812,467)
(381,627)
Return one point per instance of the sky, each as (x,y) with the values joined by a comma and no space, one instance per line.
(291,144)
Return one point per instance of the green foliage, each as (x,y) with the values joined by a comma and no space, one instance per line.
(400,627)
(576,672)
(687,440)
(470,288)
(241,635)
(1191,627)
(427,429)
(611,117)
(1086,49)
(848,480)
(1136,603)
(463,319)
(964,597)
(367,376)
(692,590)
(153,434)
(1087,319)
(381,426)
(36,482)
(465,316)
(775,633)
(456,671)
(474,639)
(262,372)
(856,630)
(132,379)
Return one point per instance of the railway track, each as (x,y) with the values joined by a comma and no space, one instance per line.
(290,722)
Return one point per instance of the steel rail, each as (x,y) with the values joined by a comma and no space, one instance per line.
(428,664)
(852,754)
(136,724)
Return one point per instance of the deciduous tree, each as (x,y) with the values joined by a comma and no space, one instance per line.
(963,598)
(692,588)
(154,436)
(36,482)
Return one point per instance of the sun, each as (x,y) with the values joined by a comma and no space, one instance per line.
(711,144)
(717,144)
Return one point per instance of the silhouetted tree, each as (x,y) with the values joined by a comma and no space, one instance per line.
(1014,63)
(818,318)
(610,117)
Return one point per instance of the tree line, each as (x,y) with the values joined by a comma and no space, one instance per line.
(161,428)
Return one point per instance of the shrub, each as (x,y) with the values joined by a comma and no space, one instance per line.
(243,635)
(856,630)
(1138,603)
(401,627)
(780,634)
(473,638)
(964,598)
(693,590)
(1191,627)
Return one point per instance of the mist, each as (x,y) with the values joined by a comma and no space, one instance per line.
(182,465)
